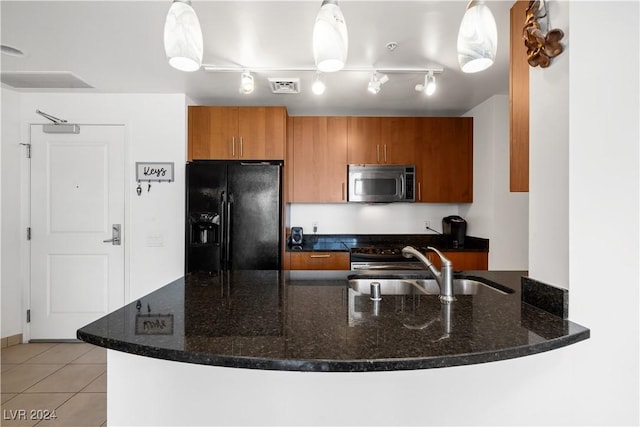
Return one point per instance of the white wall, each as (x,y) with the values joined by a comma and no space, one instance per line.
(156,131)
(356,218)
(12,233)
(496,213)
(549,161)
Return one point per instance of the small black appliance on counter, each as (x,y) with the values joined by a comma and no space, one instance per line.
(454,229)
(296,235)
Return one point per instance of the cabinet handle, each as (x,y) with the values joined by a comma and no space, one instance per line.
(343,198)
(320,256)
(241,146)
(385,153)
(378,153)
(233,146)
(419,191)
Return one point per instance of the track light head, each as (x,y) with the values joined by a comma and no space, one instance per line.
(429,86)
(376,82)
(246,83)
(318,86)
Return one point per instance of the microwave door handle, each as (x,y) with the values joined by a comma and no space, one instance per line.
(402,196)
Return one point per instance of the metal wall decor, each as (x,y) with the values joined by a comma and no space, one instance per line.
(541,46)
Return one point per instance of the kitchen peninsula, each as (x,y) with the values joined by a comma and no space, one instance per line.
(304,336)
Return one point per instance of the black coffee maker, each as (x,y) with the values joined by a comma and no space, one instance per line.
(454,229)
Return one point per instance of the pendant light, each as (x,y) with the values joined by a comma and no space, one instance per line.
(330,38)
(183,37)
(477,38)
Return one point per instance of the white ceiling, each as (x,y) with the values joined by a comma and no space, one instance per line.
(117,47)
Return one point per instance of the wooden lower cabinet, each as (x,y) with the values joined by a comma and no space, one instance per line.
(320,261)
(463,260)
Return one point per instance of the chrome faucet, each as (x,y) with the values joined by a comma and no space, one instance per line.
(443,277)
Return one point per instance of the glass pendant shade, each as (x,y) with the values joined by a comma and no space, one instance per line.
(477,38)
(183,37)
(330,38)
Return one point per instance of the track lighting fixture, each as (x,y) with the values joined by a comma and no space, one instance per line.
(183,37)
(330,38)
(318,86)
(429,86)
(246,83)
(376,82)
(477,38)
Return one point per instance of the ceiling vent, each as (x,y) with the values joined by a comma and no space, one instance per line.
(43,80)
(284,85)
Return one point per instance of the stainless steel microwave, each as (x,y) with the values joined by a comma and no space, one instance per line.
(381,183)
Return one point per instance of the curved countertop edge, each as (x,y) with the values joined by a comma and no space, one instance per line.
(320,365)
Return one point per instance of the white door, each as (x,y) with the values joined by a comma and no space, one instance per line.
(77,196)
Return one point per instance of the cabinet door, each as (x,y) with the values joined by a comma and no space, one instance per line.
(261,133)
(320,261)
(518,101)
(398,140)
(444,159)
(364,140)
(463,260)
(212,132)
(319,159)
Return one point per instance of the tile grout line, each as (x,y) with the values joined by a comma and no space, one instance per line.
(63,365)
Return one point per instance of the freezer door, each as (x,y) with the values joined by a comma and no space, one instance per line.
(254,216)
(206,184)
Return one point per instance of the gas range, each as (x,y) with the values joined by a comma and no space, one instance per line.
(382,257)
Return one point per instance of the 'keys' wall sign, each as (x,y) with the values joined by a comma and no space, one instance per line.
(154,171)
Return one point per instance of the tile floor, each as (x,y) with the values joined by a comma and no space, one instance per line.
(43,379)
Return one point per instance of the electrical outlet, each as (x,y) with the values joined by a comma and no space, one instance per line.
(427,224)
(315,226)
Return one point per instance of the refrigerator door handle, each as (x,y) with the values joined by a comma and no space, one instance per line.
(223,227)
(228,226)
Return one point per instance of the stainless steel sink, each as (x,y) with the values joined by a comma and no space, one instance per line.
(422,286)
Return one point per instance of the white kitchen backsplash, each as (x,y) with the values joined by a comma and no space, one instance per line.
(357,218)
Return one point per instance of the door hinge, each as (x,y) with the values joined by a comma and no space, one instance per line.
(28,316)
(28,233)
(28,147)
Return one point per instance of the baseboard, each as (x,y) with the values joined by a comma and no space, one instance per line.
(11,341)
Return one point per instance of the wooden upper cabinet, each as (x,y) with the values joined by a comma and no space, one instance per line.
(444,159)
(236,133)
(319,163)
(262,132)
(381,140)
(398,140)
(518,101)
(364,140)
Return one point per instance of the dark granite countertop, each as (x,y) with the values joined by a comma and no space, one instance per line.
(313,321)
(344,242)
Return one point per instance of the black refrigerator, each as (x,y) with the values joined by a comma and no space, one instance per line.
(233,215)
